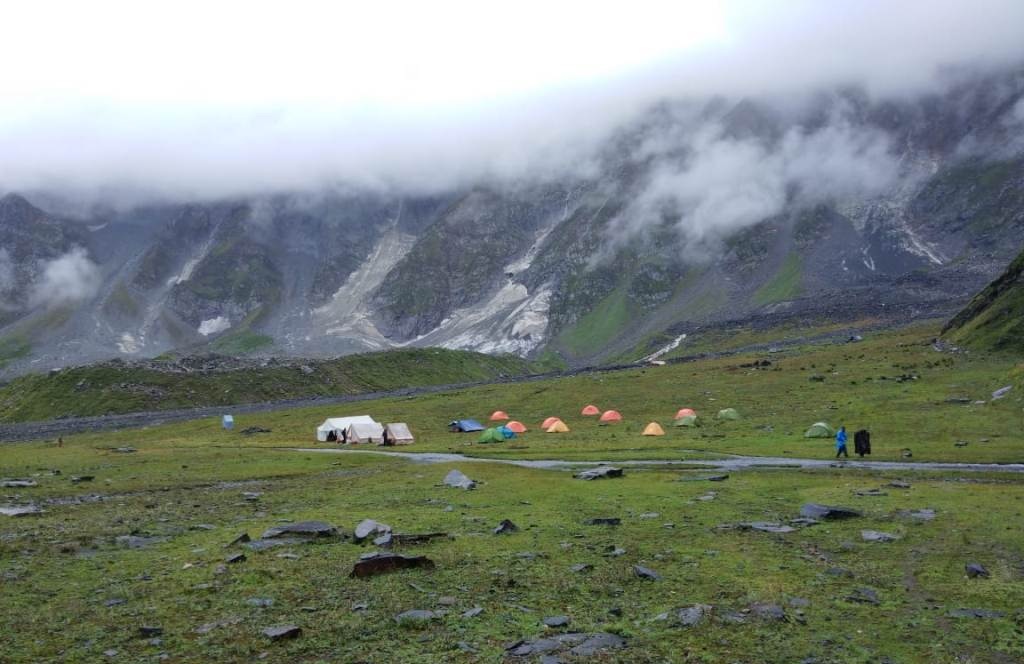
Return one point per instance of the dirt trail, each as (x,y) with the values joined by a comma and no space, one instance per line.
(726,463)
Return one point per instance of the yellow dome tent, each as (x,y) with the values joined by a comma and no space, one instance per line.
(654,429)
(558,427)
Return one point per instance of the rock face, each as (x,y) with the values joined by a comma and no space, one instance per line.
(382,563)
(827,513)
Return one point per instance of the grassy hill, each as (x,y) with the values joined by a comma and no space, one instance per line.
(994,319)
(119,387)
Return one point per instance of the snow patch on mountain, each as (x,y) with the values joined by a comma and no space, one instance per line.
(214,326)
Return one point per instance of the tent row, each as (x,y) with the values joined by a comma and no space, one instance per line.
(360,429)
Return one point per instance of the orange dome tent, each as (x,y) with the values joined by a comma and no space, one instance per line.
(548,422)
(611,416)
(558,427)
(516,427)
(684,412)
(499,415)
(654,429)
(590,410)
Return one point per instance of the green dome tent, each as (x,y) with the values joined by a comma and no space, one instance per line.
(819,430)
(728,414)
(688,421)
(492,435)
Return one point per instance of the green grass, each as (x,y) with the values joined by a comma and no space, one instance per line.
(785,285)
(185,481)
(994,319)
(117,387)
(600,326)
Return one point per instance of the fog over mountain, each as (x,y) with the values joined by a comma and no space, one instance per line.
(570,181)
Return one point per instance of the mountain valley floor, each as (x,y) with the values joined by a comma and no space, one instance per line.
(132,556)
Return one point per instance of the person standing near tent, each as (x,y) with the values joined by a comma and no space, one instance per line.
(841,443)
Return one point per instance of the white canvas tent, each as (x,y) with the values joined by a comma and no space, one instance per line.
(398,433)
(339,425)
(365,432)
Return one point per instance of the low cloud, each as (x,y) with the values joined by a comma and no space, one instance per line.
(724,184)
(68,279)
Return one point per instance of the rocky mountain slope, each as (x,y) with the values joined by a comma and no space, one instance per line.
(698,214)
(994,319)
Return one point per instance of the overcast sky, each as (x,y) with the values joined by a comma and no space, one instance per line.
(203,98)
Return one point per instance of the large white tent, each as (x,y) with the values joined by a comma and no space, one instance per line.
(340,424)
(362,432)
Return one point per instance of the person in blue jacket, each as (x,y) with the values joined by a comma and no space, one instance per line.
(841,443)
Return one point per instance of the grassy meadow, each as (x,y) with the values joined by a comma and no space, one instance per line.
(73,592)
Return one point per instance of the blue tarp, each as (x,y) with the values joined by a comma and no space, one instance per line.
(508,433)
(464,426)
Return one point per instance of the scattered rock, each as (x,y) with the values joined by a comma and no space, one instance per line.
(282,632)
(556,621)
(505,527)
(839,571)
(581,567)
(473,613)
(116,601)
(78,479)
(369,527)
(766,527)
(598,643)
(649,515)
(252,430)
(870,492)
(241,539)
(20,510)
(391,540)
(615,551)
(260,602)
(917,515)
(18,484)
(961,443)
(125,450)
(803,522)
(906,453)
(415,616)
(877,536)
(799,602)
(1001,392)
(717,478)
(976,570)
(599,473)
(137,541)
(899,484)
(690,616)
(382,563)
(150,631)
(827,512)
(975,613)
(456,479)
(235,558)
(603,521)
(302,529)
(768,612)
(710,495)
(646,573)
(864,596)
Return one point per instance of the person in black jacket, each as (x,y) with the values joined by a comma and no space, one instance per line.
(862,442)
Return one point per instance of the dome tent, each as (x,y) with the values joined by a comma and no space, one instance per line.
(728,414)
(590,410)
(499,416)
(688,421)
(516,427)
(819,430)
(558,427)
(549,421)
(611,416)
(653,429)
(685,412)
(492,435)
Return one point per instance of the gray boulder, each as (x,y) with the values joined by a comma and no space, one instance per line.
(828,512)
(301,529)
(456,479)
(599,473)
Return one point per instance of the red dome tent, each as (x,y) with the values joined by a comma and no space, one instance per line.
(611,416)
(590,410)
(499,416)
(684,412)
(548,422)
(516,427)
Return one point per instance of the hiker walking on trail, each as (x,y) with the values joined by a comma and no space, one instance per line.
(841,443)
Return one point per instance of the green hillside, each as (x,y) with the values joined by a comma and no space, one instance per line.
(994,319)
(118,387)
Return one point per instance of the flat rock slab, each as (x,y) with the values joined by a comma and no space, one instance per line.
(768,612)
(864,596)
(235,558)
(646,573)
(150,631)
(382,563)
(766,527)
(581,567)
(877,536)
(556,621)
(241,539)
(717,478)
(691,616)
(506,527)
(870,492)
(137,541)
(828,512)
(917,515)
(458,480)
(264,544)
(899,484)
(282,632)
(20,510)
(472,613)
(415,616)
(391,540)
(604,521)
(599,473)
(369,528)
(579,645)
(78,479)
(125,450)
(18,484)
(975,613)
(303,529)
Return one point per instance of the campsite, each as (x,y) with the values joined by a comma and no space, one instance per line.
(160,542)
